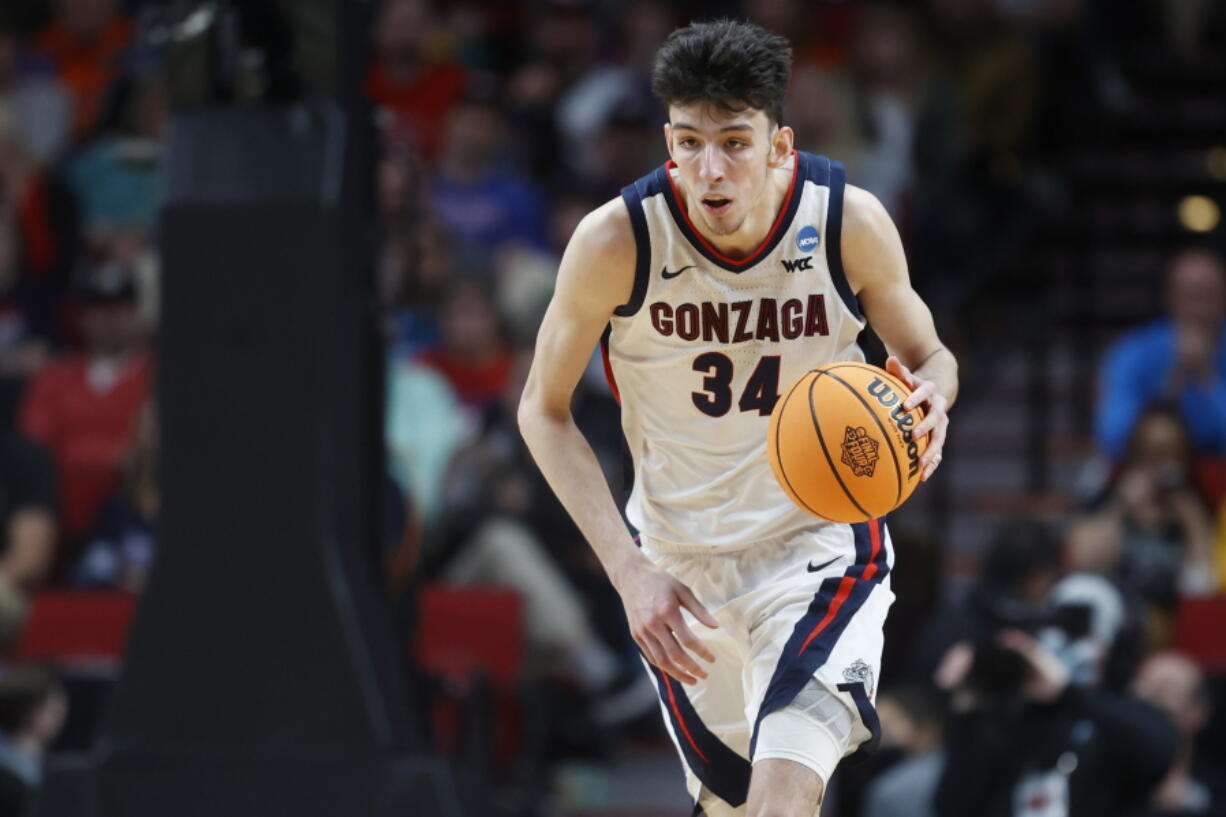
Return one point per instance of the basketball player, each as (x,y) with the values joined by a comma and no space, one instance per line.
(714,282)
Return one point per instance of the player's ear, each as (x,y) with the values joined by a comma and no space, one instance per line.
(668,138)
(781,146)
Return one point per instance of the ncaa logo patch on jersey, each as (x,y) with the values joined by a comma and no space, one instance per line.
(808,238)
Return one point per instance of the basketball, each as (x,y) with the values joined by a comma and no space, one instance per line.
(840,442)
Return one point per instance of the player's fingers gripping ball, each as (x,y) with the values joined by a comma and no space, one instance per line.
(840,442)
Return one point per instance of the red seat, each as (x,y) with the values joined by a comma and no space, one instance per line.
(1199,631)
(465,629)
(1211,479)
(467,635)
(67,626)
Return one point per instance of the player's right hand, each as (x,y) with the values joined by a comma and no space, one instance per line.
(653,600)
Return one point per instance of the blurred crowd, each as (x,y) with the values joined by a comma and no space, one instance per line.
(1057,679)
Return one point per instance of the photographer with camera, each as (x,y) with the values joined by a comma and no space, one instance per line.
(1152,529)
(1031,731)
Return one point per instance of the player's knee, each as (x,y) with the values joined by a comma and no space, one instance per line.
(789,804)
(784,788)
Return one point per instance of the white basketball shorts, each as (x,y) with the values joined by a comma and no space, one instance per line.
(800,635)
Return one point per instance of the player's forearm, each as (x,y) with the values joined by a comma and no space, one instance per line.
(566,459)
(941,367)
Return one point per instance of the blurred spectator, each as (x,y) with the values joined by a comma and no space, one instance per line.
(398,198)
(1020,566)
(33,708)
(40,109)
(1153,530)
(974,130)
(1180,358)
(565,36)
(492,533)
(120,551)
(86,44)
(27,510)
(628,146)
(821,108)
(526,276)
(27,317)
(886,64)
(819,32)
(118,178)
(412,78)
(421,261)
(1195,785)
(424,426)
(473,353)
(483,204)
(1031,734)
(588,106)
(14,610)
(910,727)
(44,208)
(562,48)
(84,408)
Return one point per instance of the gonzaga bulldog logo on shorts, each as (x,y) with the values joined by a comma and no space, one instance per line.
(859,451)
(860,672)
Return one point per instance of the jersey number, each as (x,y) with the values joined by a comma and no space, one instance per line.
(715,399)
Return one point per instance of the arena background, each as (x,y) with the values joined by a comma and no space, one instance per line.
(270,275)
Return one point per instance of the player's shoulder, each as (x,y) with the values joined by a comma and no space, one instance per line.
(599,266)
(872,252)
(864,213)
(605,238)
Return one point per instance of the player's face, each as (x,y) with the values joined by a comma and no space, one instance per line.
(724,161)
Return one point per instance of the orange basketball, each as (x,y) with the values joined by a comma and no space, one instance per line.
(840,442)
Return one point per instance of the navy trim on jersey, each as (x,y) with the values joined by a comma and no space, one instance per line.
(660,179)
(834,238)
(722,771)
(814,636)
(868,714)
(642,257)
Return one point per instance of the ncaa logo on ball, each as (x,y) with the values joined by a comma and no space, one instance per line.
(808,238)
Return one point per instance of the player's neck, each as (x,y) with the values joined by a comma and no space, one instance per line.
(756,226)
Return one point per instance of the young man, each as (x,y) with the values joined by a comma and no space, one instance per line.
(714,282)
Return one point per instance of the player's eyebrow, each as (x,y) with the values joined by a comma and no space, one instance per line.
(725,128)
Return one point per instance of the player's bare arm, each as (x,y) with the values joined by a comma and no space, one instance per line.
(876,269)
(595,277)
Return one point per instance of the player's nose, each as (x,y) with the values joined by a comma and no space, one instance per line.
(711,165)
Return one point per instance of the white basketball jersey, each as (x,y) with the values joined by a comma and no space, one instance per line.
(706,345)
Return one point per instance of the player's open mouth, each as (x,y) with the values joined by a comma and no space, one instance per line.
(716,205)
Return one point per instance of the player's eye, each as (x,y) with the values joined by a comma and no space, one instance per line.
(688,142)
(737,144)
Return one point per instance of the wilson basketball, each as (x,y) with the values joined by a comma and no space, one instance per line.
(840,442)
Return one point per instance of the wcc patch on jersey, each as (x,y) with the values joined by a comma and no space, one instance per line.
(706,344)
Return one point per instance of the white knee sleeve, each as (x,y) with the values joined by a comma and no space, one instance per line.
(814,731)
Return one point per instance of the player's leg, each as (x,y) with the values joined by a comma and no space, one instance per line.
(707,720)
(815,652)
(784,788)
(798,748)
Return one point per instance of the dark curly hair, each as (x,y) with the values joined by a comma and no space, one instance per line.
(733,65)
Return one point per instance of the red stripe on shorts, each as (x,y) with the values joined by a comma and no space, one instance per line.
(874,535)
(672,702)
(844,591)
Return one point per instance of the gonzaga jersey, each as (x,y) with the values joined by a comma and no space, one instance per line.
(706,344)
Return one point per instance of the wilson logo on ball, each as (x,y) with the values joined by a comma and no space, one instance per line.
(902,419)
(860,451)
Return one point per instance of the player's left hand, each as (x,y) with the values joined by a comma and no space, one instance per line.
(936,420)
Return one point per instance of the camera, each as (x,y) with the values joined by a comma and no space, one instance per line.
(998,672)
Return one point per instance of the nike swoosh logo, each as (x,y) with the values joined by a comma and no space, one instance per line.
(666,274)
(823,565)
